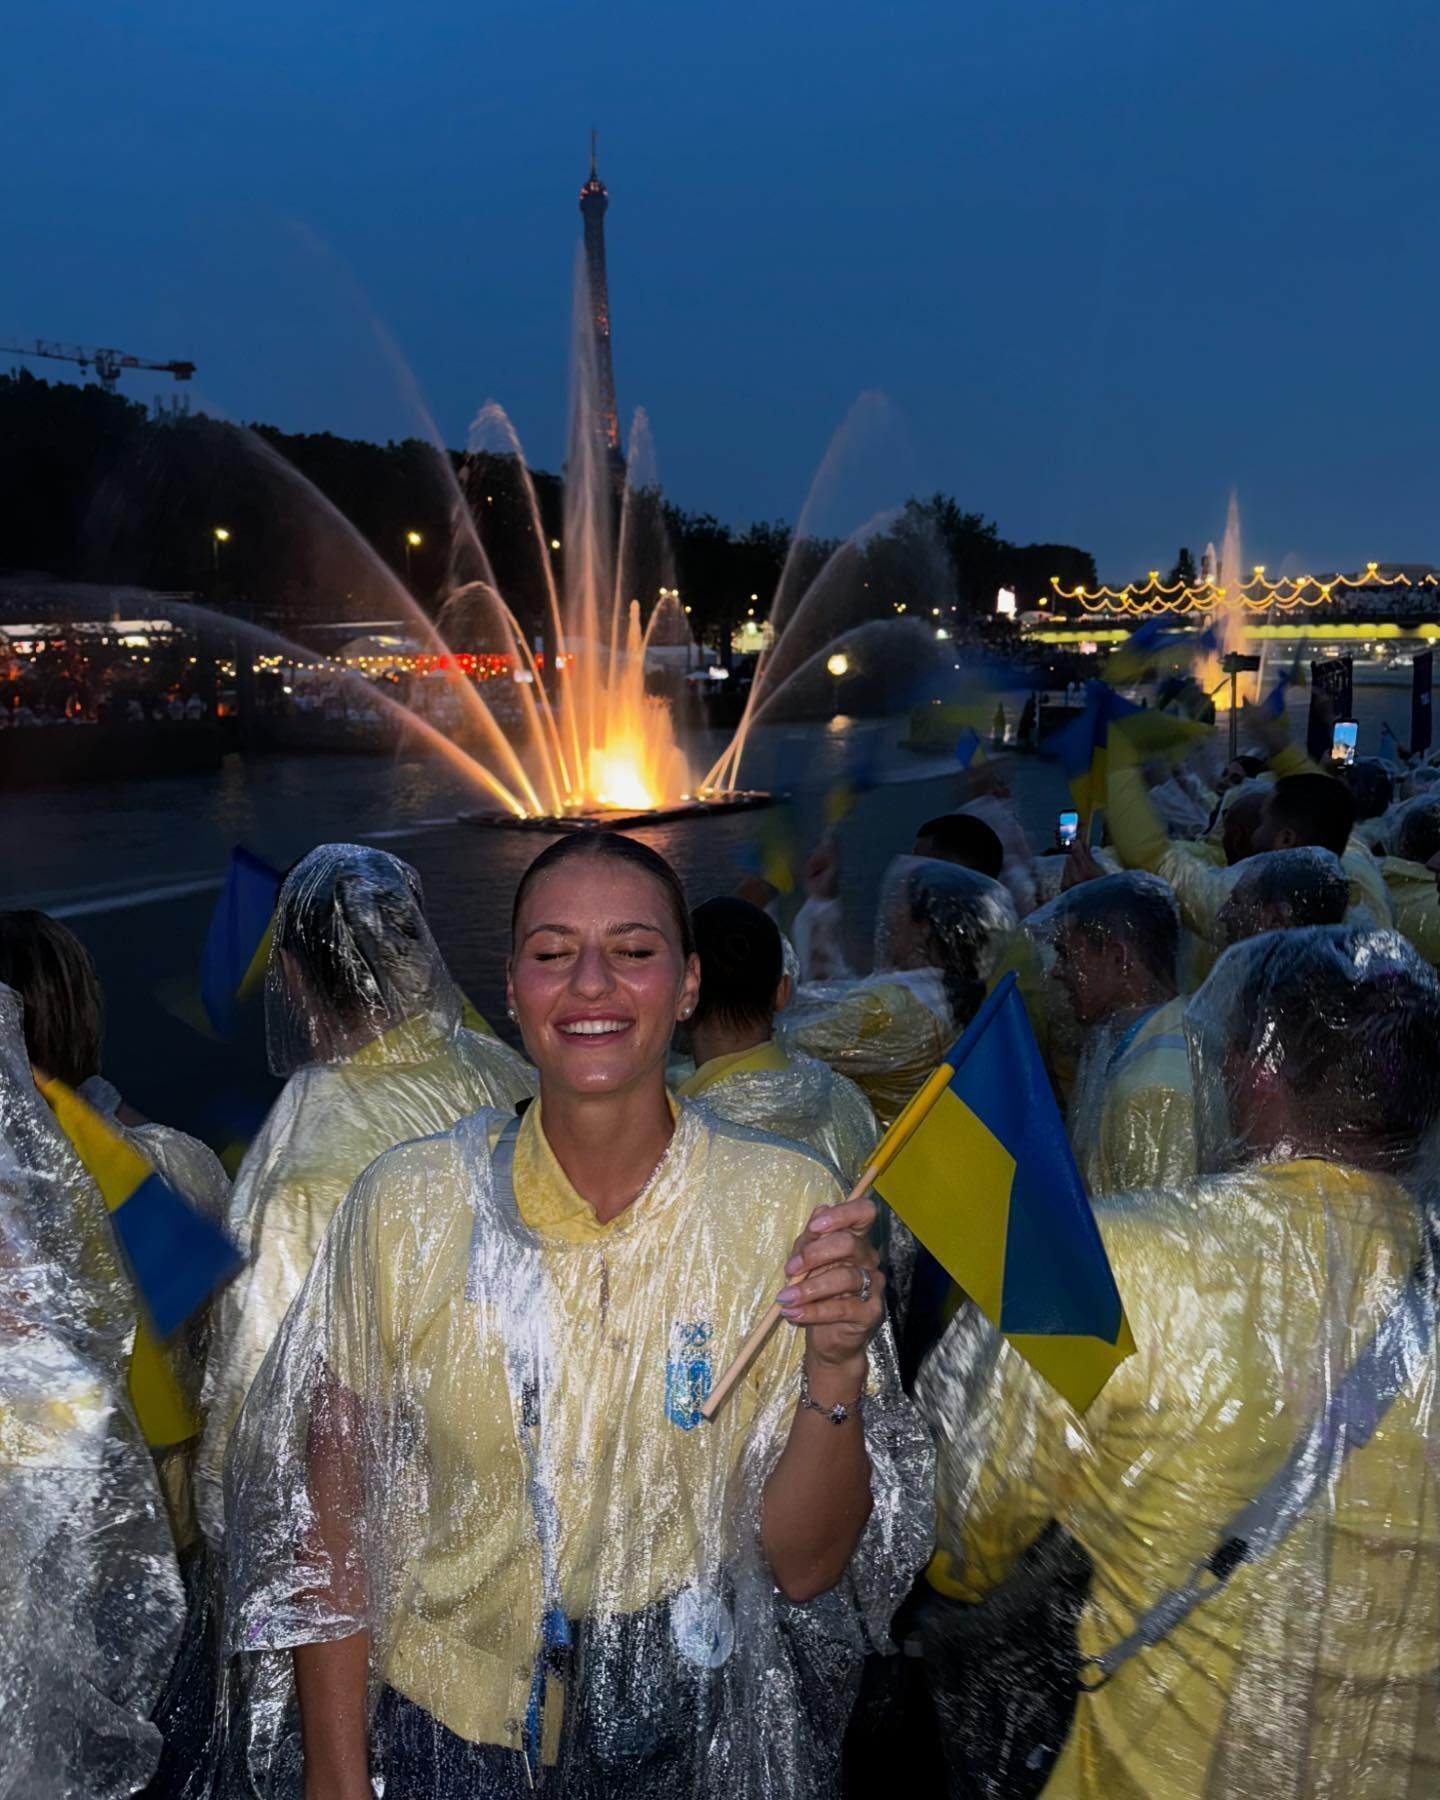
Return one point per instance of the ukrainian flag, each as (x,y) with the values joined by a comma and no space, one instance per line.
(980,1169)
(1157,649)
(773,855)
(968,748)
(1081,745)
(842,799)
(176,1258)
(238,941)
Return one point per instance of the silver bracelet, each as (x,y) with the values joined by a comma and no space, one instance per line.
(838,1414)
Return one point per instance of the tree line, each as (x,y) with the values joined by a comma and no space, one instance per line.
(318,526)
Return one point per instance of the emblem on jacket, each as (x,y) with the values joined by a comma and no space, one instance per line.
(687,1373)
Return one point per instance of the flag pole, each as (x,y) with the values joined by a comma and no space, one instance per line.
(885,1152)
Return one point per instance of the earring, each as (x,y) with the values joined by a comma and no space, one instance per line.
(510,1013)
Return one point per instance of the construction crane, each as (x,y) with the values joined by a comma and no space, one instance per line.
(106,363)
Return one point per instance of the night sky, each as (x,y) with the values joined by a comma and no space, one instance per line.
(1105,261)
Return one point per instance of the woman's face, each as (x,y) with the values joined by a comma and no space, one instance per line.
(597,976)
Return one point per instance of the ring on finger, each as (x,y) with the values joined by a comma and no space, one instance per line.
(865,1286)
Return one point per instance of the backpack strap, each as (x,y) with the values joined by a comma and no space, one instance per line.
(1349,1419)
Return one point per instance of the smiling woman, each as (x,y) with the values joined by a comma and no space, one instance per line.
(513,1524)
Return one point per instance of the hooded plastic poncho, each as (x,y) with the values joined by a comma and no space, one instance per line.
(482,1415)
(940,933)
(363,1017)
(1255,1294)
(90,1597)
(795,1097)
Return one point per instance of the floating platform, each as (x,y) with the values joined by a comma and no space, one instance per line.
(611,819)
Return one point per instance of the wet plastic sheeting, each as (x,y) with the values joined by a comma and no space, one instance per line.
(90,1598)
(483,1412)
(364,1019)
(807,1103)
(1256,1292)
(940,933)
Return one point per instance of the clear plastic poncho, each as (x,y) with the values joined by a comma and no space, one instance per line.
(1255,1294)
(483,1414)
(806,1102)
(1279,889)
(90,1597)
(364,1018)
(940,933)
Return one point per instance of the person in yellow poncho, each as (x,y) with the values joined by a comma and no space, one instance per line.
(474,1485)
(1300,808)
(53,972)
(363,1019)
(1132,1116)
(1413,836)
(939,935)
(1309,1663)
(741,1072)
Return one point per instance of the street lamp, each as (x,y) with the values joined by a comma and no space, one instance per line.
(838,667)
(220,536)
(413,541)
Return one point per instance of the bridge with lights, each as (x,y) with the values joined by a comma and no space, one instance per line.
(1382,601)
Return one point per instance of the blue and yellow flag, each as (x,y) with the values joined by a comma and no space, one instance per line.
(1081,745)
(175,1257)
(841,800)
(238,941)
(968,749)
(1157,648)
(773,855)
(980,1169)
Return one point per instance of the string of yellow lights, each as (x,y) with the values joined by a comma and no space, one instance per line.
(1258,595)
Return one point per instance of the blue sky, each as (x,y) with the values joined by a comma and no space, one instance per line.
(1104,260)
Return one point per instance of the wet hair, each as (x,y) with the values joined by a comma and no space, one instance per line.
(1317,808)
(618,848)
(1370,786)
(1138,910)
(52,972)
(741,963)
(961,839)
(1348,1020)
(1308,882)
(1418,838)
(966,918)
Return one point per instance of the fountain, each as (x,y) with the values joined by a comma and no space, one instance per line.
(557,730)
(601,751)
(1226,576)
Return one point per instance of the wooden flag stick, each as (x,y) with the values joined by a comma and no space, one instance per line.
(885,1152)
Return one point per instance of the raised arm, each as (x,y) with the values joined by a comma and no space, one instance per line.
(817,1499)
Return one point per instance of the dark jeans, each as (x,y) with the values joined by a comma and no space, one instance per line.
(422,1760)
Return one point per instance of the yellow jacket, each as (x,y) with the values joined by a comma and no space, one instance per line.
(331,1121)
(886,1033)
(1201,887)
(1416,901)
(1132,1121)
(795,1097)
(1315,1671)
